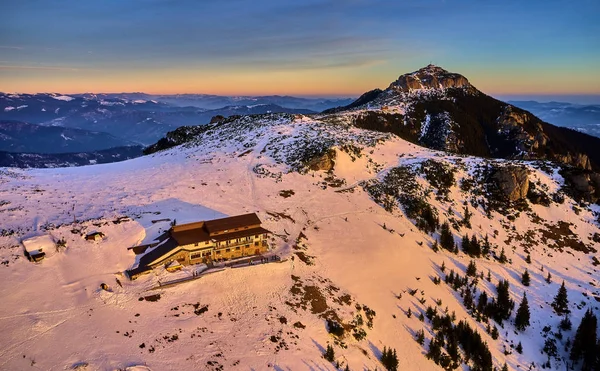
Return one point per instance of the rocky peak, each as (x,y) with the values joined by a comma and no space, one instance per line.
(430,77)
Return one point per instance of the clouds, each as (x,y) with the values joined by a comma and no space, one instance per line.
(351,37)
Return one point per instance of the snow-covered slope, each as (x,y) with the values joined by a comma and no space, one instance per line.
(351,251)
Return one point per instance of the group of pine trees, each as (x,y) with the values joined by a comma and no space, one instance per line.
(444,347)
(389,359)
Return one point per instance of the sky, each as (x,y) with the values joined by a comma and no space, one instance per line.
(307,47)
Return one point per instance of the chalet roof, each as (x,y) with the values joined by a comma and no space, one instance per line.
(159,251)
(34,244)
(232,222)
(238,234)
(189,236)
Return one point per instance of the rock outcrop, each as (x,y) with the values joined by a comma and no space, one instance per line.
(582,185)
(513,181)
(430,77)
(324,162)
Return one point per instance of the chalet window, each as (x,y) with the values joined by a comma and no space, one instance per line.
(265,235)
(256,243)
(196,255)
(207,242)
(247,246)
(196,244)
(256,236)
(237,248)
(206,253)
(218,252)
(227,250)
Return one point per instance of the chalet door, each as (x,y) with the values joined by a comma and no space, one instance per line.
(256,252)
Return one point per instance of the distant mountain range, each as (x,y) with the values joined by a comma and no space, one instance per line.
(208,101)
(584,118)
(45,160)
(17,136)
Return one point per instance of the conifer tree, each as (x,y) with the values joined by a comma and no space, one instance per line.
(446,238)
(565,323)
(472,269)
(420,337)
(475,247)
(505,367)
(525,278)
(528,259)
(504,304)
(465,244)
(585,343)
(485,249)
(561,301)
(389,359)
(502,259)
(329,353)
(482,302)
(467,217)
(435,247)
(468,298)
(522,316)
(519,348)
(549,278)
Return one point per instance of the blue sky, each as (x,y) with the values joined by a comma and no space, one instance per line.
(308,47)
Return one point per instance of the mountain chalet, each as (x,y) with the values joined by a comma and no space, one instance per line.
(207,241)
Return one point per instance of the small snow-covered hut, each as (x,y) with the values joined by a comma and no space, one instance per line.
(94,236)
(36,247)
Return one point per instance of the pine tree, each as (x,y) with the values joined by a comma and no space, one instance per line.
(505,367)
(528,259)
(467,217)
(549,278)
(550,348)
(475,247)
(565,323)
(522,316)
(504,304)
(472,269)
(420,337)
(465,244)
(485,250)
(585,343)
(525,278)
(389,359)
(495,334)
(435,247)
(443,267)
(329,353)
(502,259)
(489,276)
(561,301)
(519,348)
(482,302)
(446,238)
(468,298)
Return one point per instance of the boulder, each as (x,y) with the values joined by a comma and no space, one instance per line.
(217,118)
(324,162)
(513,181)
